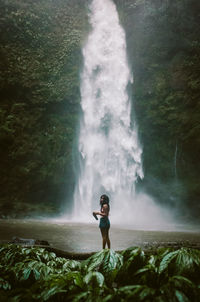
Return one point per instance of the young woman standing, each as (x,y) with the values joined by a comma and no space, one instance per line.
(104,224)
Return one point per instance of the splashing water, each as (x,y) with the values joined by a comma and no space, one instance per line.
(110,154)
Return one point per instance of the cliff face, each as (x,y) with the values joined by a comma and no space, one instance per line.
(40,65)
(164,50)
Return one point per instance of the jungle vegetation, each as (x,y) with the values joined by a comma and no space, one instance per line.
(40,99)
(34,274)
(40,64)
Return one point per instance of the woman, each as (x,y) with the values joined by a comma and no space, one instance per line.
(104,224)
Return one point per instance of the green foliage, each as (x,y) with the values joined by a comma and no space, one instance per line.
(106,262)
(40,64)
(38,269)
(33,274)
(95,279)
(134,292)
(134,259)
(184,262)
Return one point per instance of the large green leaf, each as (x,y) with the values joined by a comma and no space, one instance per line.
(132,251)
(38,269)
(81,297)
(53,286)
(184,262)
(95,279)
(59,286)
(106,261)
(4,284)
(166,260)
(93,262)
(134,259)
(177,288)
(72,265)
(75,278)
(181,297)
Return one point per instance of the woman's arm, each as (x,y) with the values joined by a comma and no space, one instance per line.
(104,211)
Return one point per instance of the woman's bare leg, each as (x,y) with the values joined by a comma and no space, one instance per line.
(107,238)
(104,237)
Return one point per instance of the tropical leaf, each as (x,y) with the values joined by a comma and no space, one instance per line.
(147,275)
(134,256)
(185,262)
(53,286)
(134,259)
(50,292)
(57,286)
(26,273)
(181,297)
(108,298)
(132,251)
(75,278)
(166,276)
(152,260)
(111,263)
(177,288)
(166,260)
(182,282)
(81,297)
(95,279)
(38,269)
(106,261)
(4,284)
(93,262)
(72,265)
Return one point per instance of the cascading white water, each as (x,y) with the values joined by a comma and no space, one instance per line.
(110,154)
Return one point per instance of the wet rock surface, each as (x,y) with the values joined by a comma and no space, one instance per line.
(25,241)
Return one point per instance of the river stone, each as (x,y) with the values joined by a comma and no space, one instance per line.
(29,241)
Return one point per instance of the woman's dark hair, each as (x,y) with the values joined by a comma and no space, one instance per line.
(106,198)
(105,201)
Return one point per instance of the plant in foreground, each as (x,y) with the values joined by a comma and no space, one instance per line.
(34,274)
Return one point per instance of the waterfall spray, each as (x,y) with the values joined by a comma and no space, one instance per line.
(109,151)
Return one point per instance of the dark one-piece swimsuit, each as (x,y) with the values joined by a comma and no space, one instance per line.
(104,223)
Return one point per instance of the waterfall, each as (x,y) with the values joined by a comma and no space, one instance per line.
(109,151)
